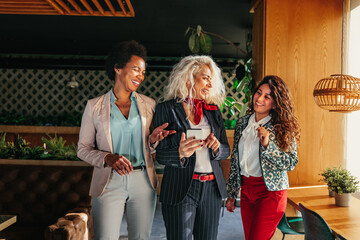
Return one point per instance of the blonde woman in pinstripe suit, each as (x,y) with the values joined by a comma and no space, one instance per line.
(193,184)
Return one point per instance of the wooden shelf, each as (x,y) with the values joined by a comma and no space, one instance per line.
(44,162)
(39,129)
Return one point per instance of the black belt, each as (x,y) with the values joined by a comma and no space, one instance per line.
(142,167)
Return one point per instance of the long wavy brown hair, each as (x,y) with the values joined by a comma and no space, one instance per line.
(283,119)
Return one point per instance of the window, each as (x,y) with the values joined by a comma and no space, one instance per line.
(353,119)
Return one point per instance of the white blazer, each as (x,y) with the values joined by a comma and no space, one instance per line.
(95,139)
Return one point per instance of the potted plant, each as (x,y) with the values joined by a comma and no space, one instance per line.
(327,176)
(343,184)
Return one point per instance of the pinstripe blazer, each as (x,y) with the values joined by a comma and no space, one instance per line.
(178,176)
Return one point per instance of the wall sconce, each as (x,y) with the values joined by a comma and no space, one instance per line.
(338,93)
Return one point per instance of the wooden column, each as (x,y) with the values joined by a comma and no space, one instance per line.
(302,44)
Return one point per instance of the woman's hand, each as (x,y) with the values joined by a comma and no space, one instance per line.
(188,146)
(159,133)
(120,163)
(212,142)
(263,134)
(230,204)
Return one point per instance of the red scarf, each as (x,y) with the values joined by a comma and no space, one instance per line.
(198,104)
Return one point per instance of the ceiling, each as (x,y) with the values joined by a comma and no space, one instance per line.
(119,8)
(158,24)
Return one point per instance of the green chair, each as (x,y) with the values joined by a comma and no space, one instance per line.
(316,228)
(291,225)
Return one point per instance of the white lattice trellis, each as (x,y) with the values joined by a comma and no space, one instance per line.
(43,92)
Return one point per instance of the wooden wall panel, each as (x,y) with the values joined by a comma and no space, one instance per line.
(303,45)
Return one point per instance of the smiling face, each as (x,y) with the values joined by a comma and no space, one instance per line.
(202,84)
(263,102)
(131,75)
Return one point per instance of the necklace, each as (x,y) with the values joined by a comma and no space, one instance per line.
(122,105)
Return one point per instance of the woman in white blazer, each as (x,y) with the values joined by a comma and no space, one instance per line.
(115,138)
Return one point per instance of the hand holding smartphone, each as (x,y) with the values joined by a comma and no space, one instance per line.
(198,133)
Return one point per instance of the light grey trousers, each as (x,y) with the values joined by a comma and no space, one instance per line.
(132,193)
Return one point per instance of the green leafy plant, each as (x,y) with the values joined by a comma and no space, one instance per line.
(328,174)
(200,42)
(3,146)
(20,149)
(340,180)
(244,86)
(35,152)
(56,149)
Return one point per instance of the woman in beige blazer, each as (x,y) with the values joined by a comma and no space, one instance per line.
(115,138)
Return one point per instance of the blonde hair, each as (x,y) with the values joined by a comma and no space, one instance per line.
(185,71)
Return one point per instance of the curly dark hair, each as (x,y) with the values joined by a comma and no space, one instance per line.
(121,54)
(283,119)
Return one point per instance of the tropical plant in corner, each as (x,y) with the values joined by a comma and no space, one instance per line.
(200,42)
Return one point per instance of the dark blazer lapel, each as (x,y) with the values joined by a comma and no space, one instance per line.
(180,112)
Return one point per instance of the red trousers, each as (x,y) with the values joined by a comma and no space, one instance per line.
(261,210)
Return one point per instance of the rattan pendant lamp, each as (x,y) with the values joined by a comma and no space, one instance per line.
(339,92)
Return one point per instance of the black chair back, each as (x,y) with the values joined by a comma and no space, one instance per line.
(316,228)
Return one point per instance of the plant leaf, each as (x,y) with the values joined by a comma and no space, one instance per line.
(192,42)
(241,85)
(233,124)
(227,103)
(198,30)
(222,107)
(187,31)
(231,111)
(230,99)
(238,106)
(236,83)
(244,108)
(205,43)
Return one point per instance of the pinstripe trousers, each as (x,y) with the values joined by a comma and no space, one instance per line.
(198,214)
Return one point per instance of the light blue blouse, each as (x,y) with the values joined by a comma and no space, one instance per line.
(126,134)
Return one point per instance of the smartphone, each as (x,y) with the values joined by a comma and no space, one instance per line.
(198,133)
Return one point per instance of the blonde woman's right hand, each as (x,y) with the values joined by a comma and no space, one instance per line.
(230,204)
(188,146)
(120,163)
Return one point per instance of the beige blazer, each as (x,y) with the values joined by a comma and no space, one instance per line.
(95,139)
